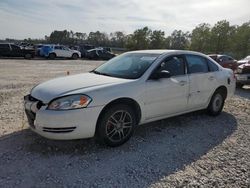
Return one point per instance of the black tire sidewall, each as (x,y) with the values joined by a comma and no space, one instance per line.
(75,56)
(210,108)
(52,56)
(101,126)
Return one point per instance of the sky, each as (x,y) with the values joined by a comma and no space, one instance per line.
(21,19)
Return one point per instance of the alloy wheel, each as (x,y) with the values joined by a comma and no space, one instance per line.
(119,126)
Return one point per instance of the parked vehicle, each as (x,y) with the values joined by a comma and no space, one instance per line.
(244,60)
(45,50)
(38,49)
(243,75)
(131,89)
(99,53)
(225,61)
(84,48)
(12,50)
(54,51)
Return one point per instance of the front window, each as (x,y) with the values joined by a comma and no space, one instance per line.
(175,65)
(128,66)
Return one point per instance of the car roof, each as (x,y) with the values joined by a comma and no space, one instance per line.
(161,52)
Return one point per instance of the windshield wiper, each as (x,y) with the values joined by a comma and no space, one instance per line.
(100,73)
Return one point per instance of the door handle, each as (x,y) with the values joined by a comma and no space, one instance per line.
(182,83)
(211,78)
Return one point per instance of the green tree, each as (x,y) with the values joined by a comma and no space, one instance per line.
(140,39)
(98,38)
(117,39)
(240,41)
(220,34)
(179,40)
(200,38)
(157,39)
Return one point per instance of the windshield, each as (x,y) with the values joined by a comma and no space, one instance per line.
(129,65)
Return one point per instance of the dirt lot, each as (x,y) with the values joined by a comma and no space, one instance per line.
(190,150)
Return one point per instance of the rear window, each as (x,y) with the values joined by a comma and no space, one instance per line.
(4,46)
(196,64)
(212,66)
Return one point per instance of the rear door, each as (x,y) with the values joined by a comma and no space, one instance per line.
(202,81)
(167,96)
(66,52)
(16,51)
(59,51)
(4,50)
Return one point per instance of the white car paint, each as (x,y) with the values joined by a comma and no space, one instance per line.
(157,99)
(63,51)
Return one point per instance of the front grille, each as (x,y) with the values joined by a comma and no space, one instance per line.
(31,115)
(59,130)
(245,70)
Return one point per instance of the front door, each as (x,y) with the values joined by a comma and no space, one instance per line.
(167,96)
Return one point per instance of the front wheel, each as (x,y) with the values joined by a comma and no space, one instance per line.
(52,56)
(216,104)
(116,125)
(75,56)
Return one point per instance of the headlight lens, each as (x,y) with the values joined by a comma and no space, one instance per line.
(239,70)
(70,102)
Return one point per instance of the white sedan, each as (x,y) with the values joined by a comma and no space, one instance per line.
(129,90)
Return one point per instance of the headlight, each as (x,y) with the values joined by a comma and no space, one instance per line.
(239,70)
(70,102)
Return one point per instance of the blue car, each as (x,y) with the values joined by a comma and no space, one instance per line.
(45,50)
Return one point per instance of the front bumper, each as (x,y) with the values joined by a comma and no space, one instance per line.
(243,78)
(62,125)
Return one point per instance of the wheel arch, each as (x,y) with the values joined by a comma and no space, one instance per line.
(222,89)
(124,100)
(52,53)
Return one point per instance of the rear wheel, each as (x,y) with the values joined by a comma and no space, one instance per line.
(216,104)
(52,56)
(75,56)
(116,125)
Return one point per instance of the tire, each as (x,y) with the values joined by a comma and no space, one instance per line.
(216,103)
(52,56)
(75,56)
(28,56)
(116,125)
(239,85)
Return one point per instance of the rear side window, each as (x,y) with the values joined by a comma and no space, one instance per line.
(58,48)
(225,58)
(174,65)
(212,66)
(4,46)
(14,47)
(196,64)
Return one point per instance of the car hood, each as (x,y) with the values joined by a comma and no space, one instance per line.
(76,51)
(246,65)
(71,84)
(243,61)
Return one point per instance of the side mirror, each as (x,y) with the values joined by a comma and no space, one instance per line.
(161,74)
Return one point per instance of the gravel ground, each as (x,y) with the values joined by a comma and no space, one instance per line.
(192,150)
